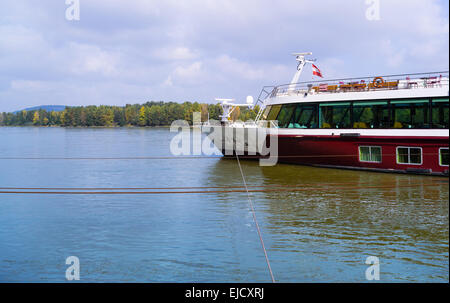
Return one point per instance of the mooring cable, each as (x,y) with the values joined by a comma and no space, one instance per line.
(231,188)
(256,221)
(138,191)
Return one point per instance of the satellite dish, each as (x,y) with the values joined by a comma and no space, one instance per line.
(249,100)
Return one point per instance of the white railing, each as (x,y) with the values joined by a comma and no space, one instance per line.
(364,84)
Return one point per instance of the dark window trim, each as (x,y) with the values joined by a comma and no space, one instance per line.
(390,109)
(431,111)
(439,155)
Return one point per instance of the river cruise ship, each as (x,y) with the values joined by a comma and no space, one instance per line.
(394,123)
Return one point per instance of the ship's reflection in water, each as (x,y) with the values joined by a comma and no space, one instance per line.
(321,224)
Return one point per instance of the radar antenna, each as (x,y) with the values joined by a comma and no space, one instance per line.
(228,107)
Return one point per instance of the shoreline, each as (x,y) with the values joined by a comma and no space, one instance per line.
(59,126)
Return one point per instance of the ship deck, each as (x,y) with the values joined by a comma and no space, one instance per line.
(419,85)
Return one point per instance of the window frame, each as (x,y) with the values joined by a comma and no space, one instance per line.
(376,112)
(409,155)
(348,111)
(370,153)
(312,118)
(434,105)
(440,158)
(289,116)
(276,107)
(412,105)
(426,104)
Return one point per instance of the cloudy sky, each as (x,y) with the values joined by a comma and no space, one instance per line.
(134,51)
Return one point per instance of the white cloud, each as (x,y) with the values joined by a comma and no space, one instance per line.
(201,49)
(30,86)
(168,81)
(394,55)
(174,53)
(238,69)
(83,58)
(189,74)
(18,38)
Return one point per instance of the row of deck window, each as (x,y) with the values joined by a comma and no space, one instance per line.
(406,113)
(404,155)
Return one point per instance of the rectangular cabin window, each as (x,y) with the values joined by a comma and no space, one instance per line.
(285,115)
(409,155)
(273,114)
(371,114)
(335,115)
(410,113)
(370,154)
(305,116)
(443,156)
(440,112)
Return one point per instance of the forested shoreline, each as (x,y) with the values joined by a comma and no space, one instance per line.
(154,113)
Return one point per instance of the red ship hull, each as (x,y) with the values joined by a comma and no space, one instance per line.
(343,152)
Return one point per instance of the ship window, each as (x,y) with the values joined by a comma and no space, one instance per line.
(334,115)
(285,115)
(410,113)
(266,112)
(274,110)
(371,115)
(443,156)
(409,155)
(440,113)
(370,154)
(305,116)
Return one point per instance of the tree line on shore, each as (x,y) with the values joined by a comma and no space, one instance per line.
(148,114)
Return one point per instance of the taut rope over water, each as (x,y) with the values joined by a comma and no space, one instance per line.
(256,221)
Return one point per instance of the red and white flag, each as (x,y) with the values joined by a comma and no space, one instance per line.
(316,71)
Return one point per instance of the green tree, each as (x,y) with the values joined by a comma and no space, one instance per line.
(155,115)
(63,117)
(143,116)
(235,115)
(36,120)
(131,115)
(106,116)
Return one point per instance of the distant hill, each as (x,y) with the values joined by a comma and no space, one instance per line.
(49,108)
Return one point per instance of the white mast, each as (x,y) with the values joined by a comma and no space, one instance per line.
(300,57)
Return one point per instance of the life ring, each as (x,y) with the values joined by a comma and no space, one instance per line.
(378,82)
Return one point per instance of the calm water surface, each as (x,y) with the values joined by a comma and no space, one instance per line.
(323,233)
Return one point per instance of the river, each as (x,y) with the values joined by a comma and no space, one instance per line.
(323,230)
